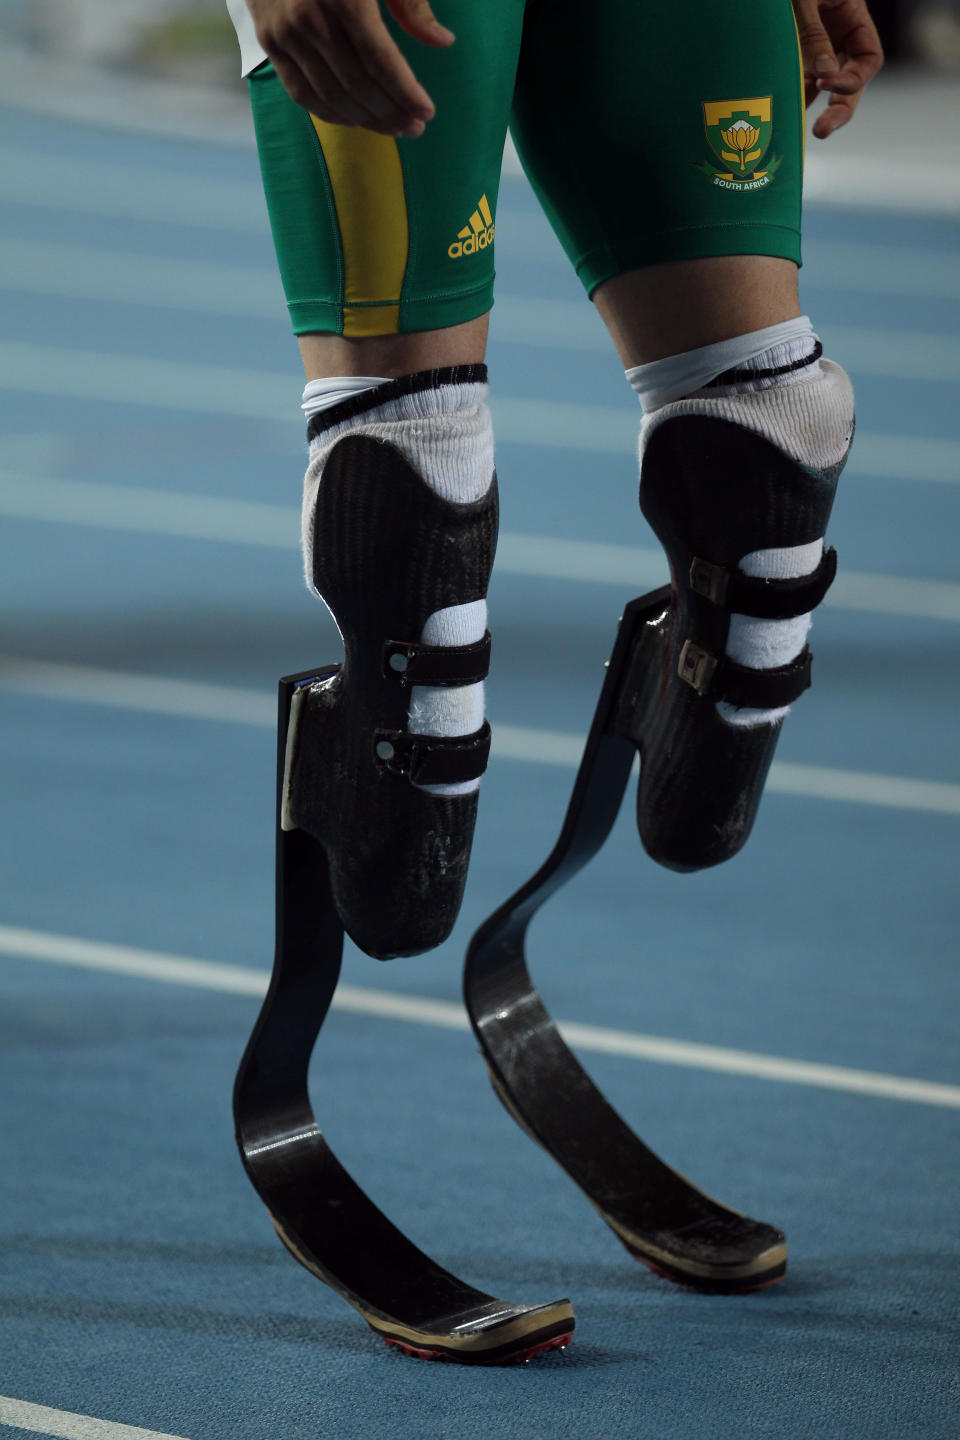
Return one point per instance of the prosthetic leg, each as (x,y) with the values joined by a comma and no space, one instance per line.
(362,846)
(712,491)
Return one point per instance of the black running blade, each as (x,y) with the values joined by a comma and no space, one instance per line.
(323,1218)
(660,1216)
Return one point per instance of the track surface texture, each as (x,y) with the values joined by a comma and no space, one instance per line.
(142,637)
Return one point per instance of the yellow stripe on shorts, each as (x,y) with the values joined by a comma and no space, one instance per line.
(803,100)
(367,181)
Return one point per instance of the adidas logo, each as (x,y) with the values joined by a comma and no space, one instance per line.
(476,235)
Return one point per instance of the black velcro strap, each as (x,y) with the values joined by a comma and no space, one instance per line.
(764,599)
(762,689)
(435,759)
(415,664)
(723,679)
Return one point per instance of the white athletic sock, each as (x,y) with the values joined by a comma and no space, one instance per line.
(447,435)
(773,382)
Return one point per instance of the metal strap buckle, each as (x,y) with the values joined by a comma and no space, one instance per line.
(709,580)
(697,667)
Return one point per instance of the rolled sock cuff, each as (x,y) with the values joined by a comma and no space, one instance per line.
(663,381)
(320,395)
(420,394)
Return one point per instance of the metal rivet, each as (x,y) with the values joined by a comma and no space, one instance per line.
(384,750)
(399,661)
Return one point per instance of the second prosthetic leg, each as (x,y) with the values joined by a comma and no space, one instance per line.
(714,491)
(739,492)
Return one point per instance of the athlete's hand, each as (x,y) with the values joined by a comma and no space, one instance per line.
(338,60)
(841,52)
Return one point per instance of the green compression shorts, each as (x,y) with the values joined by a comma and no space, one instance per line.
(650,130)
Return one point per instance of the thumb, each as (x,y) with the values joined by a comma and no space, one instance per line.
(418,19)
(819,57)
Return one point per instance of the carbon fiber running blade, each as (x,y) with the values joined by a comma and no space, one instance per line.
(323,1218)
(660,1216)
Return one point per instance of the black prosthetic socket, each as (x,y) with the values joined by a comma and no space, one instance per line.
(713,492)
(389,552)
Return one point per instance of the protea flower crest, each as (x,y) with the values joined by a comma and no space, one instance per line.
(741,137)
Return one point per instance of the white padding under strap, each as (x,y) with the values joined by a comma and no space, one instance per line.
(450,709)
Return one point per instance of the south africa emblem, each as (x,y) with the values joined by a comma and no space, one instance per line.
(739,134)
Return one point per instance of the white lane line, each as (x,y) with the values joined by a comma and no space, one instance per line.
(884,181)
(46,268)
(573,325)
(145,380)
(929,274)
(128,192)
(153,512)
(45,1421)
(265,395)
(444,1014)
(124,690)
(905,457)
(862,787)
(245,522)
(917,271)
(895,595)
(194,700)
(75,273)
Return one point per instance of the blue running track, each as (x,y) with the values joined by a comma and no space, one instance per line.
(151,455)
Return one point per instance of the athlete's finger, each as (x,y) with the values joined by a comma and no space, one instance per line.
(377,84)
(331,64)
(382,59)
(819,57)
(418,20)
(324,73)
(300,90)
(321,94)
(861,53)
(861,56)
(838,113)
